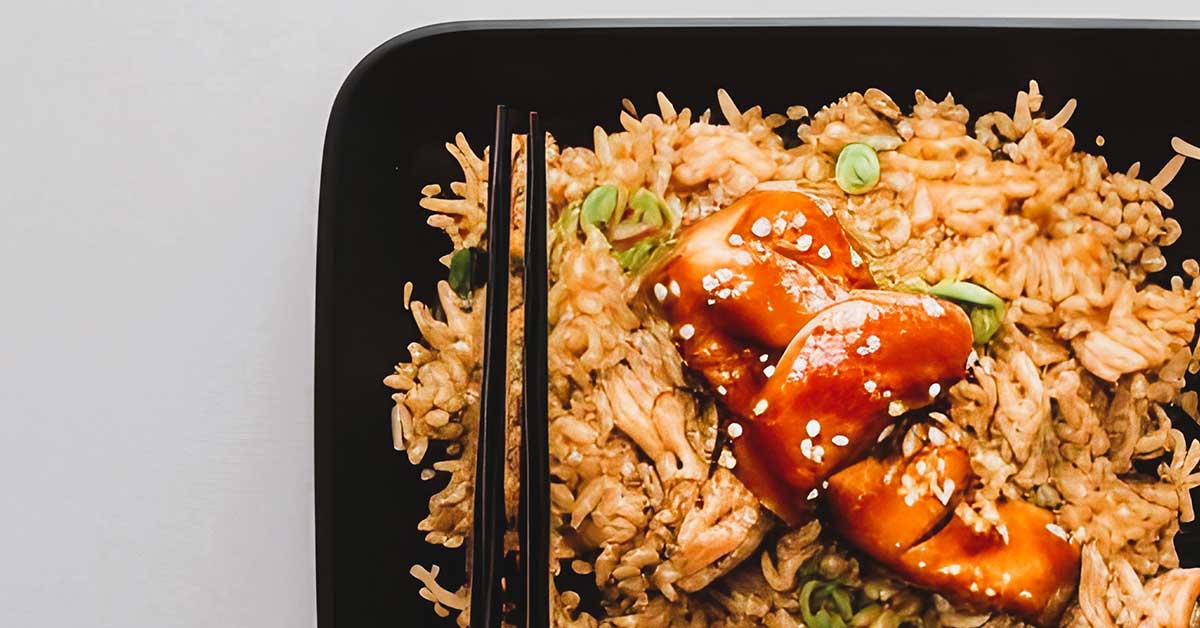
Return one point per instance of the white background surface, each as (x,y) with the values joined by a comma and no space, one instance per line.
(158,195)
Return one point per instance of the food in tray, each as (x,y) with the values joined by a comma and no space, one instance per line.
(895,373)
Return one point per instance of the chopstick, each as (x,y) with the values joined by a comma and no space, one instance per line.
(534,511)
(488,532)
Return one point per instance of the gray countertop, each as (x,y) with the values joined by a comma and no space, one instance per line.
(158,195)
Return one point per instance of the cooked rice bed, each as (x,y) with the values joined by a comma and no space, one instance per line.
(1068,396)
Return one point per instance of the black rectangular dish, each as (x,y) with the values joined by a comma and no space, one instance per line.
(410,96)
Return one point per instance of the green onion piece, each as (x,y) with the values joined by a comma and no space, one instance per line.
(599,205)
(841,602)
(857,169)
(985,322)
(634,258)
(985,309)
(568,220)
(647,208)
(465,274)
(806,613)
(966,292)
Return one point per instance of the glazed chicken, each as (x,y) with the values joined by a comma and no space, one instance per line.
(901,513)
(774,308)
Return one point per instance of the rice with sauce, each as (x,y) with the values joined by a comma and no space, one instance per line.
(1074,388)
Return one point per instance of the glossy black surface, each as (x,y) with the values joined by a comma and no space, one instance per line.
(386,137)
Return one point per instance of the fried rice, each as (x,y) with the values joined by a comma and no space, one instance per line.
(1081,381)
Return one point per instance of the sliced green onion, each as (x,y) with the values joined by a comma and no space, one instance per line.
(983,307)
(634,258)
(568,220)
(466,273)
(966,292)
(810,619)
(857,168)
(599,205)
(841,602)
(985,322)
(647,207)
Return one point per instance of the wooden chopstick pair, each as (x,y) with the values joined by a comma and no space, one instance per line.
(533,517)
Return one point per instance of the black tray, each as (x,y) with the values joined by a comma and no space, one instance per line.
(1135,82)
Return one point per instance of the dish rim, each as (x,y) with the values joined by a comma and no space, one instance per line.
(324,325)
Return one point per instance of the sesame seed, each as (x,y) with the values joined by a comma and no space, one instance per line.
(840,440)
(935,389)
(660,292)
(813,428)
(895,408)
(1025,595)
(780,225)
(920,564)
(806,447)
(736,240)
(709,283)
(798,219)
(721,389)
(427,474)
(724,293)
(921,467)
(855,259)
(813,494)
(762,358)
(937,437)
(734,430)
(974,587)
(760,407)
(826,208)
(761,227)
(824,483)
(946,492)
(932,307)
(804,242)
(887,431)
(711,301)
(873,344)
(887,394)
(727,460)
(818,453)
(1057,530)
(990,592)
(687,331)
(824,252)
(724,274)
(674,287)
(769,371)
(869,385)
(910,499)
